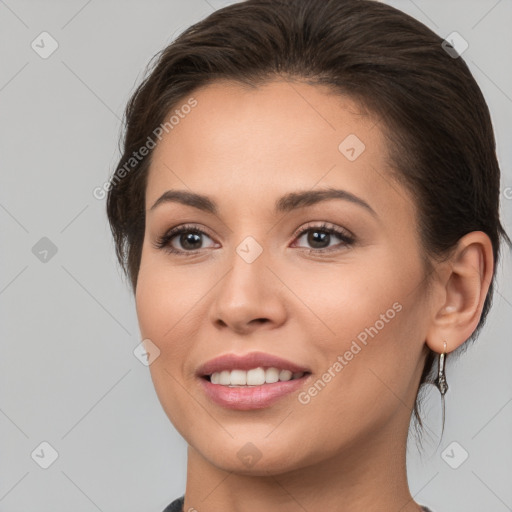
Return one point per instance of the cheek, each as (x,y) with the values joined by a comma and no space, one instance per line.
(160,306)
(165,296)
(368,319)
(163,315)
(153,302)
(347,300)
(170,310)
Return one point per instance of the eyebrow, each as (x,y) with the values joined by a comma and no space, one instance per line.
(286,203)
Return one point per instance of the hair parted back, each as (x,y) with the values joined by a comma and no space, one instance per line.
(430,109)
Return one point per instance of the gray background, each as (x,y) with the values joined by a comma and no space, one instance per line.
(68,326)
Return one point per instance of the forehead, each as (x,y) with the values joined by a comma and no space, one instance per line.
(256,140)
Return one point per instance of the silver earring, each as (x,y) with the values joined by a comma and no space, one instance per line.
(440,382)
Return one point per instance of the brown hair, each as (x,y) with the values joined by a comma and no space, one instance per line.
(441,140)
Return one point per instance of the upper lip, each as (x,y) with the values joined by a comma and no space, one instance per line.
(247,362)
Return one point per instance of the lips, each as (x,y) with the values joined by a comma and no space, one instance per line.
(250,397)
(248,362)
(245,398)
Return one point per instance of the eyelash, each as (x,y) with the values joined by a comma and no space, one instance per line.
(163,242)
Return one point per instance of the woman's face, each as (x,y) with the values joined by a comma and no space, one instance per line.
(349,308)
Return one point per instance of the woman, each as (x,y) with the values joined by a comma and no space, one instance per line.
(307,208)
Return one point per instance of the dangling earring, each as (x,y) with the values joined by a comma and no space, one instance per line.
(441,377)
(440,382)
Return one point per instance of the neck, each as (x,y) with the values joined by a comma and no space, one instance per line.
(368,476)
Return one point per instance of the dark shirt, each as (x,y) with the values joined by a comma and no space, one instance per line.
(177,506)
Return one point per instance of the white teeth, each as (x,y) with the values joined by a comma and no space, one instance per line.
(271,375)
(253,377)
(285,375)
(225,377)
(238,378)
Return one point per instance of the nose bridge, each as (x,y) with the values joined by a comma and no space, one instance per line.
(247,292)
(245,282)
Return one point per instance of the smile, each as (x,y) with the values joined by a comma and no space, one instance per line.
(246,397)
(253,377)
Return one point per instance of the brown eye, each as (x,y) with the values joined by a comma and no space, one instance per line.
(317,238)
(182,240)
(190,240)
(321,237)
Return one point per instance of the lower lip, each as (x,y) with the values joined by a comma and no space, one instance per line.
(245,398)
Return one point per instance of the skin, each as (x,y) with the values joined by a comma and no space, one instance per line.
(345,449)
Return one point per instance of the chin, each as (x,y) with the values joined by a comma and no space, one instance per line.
(258,458)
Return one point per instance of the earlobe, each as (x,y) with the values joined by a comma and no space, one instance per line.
(463,288)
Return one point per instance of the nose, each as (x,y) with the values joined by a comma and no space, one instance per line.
(248,297)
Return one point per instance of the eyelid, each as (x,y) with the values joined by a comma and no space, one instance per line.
(323,225)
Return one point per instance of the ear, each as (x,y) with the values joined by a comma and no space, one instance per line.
(461,286)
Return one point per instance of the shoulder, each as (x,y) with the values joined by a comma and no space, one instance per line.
(177,505)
